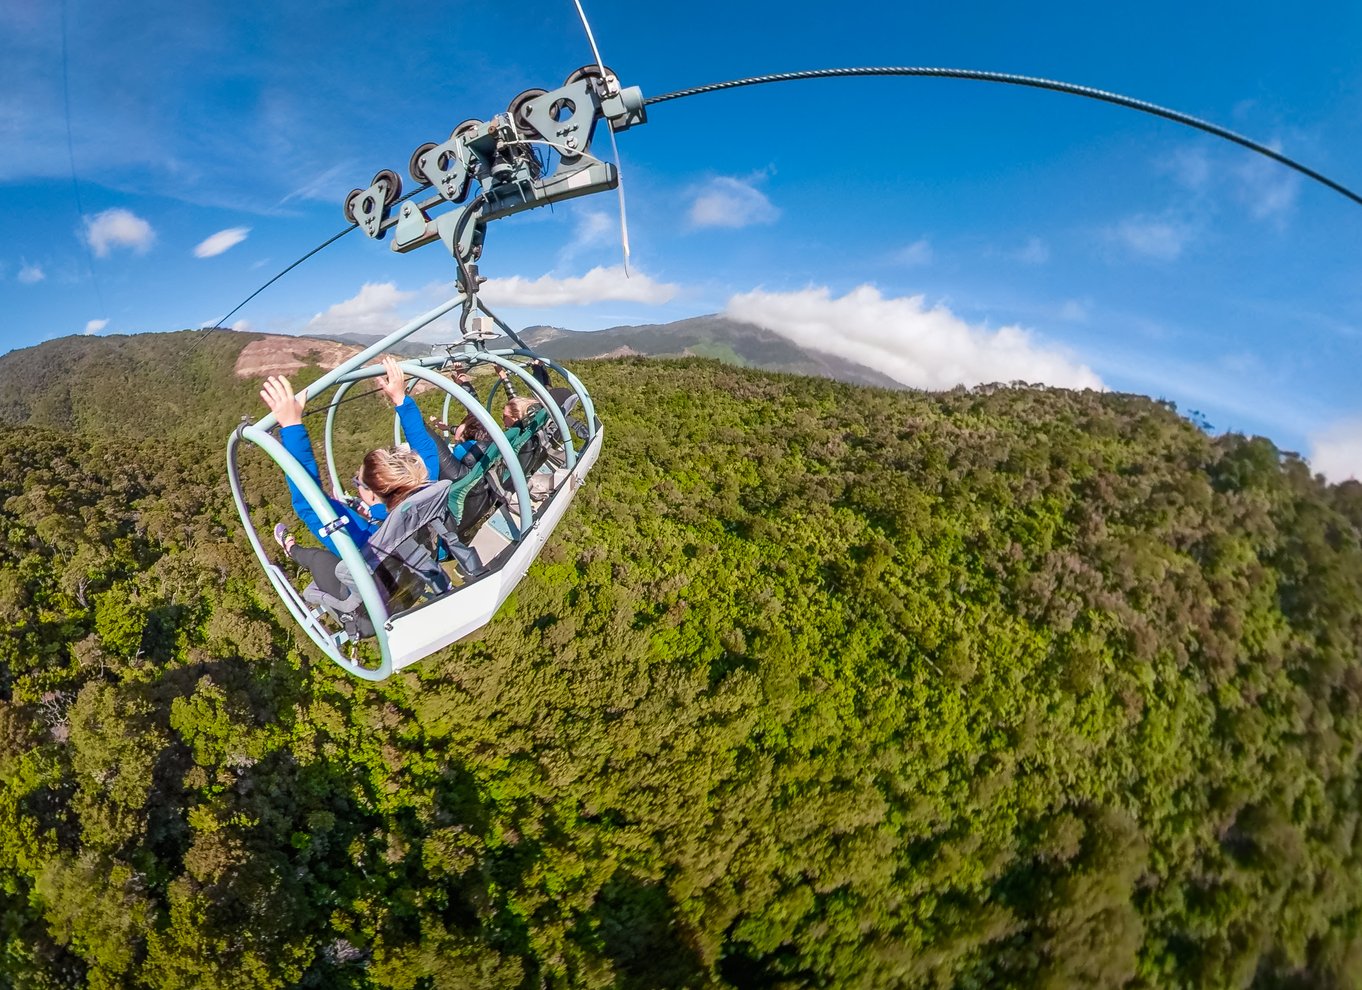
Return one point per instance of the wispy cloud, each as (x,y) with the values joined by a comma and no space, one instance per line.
(223,240)
(902,337)
(326,186)
(376,308)
(1264,190)
(729,202)
(1074,311)
(595,227)
(30,274)
(593,231)
(1237,391)
(118,228)
(1190,167)
(1267,189)
(598,285)
(1158,238)
(915,255)
(94,326)
(1034,252)
(1336,450)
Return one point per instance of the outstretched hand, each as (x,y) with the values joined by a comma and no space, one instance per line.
(287,407)
(394,384)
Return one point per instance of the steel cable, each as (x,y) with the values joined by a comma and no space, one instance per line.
(1018,80)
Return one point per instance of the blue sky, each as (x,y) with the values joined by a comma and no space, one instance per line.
(944,231)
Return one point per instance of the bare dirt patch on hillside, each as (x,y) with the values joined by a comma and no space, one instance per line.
(278,355)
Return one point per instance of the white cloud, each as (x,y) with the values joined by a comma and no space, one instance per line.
(1033,252)
(730,202)
(1151,237)
(118,228)
(915,254)
(1336,450)
(223,240)
(94,326)
(29,274)
(374,309)
(925,348)
(597,285)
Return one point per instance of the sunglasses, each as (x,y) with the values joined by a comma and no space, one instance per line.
(359,484)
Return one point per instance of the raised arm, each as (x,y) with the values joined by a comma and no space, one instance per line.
(287,407)
(394,386)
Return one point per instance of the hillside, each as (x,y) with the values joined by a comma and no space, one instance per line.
(725,340)
(156,385)
(715,337)
(815,686)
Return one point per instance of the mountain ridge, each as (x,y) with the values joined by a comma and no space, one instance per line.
(712,336)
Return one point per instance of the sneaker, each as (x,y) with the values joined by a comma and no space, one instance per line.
(282,537)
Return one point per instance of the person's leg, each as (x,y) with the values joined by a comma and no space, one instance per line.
(321,564)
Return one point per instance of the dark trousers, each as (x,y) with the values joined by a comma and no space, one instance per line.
(321,564)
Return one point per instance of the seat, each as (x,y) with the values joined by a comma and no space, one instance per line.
(406,556)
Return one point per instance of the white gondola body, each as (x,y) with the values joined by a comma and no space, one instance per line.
(421,631)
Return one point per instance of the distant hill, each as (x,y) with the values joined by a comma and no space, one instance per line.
(729,341)
(742,344)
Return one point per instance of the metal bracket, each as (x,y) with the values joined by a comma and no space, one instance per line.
(369,207)
(334,526)
(413,228)
(566,117)
(446,168)
(625,109)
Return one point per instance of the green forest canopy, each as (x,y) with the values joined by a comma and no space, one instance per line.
(815,686)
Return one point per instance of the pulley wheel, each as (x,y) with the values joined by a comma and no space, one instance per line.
(417,172)
(464,128)
(351,200)
(518,108)
(392,186)
(593,71)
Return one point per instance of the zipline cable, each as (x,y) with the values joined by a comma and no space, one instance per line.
(205,331)
(979,75)
(1018,80)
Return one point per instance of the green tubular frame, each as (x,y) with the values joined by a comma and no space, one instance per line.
(359,569)
(498,359)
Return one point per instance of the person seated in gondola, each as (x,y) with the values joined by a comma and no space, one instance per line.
(386,478)
(518,411)
(565,398)
(467,441)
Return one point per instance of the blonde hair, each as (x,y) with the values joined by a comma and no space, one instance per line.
(393,473)
(517,409)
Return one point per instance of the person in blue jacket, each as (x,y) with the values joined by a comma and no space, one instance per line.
(386,477)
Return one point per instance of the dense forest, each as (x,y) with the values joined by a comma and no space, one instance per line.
(814,686)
